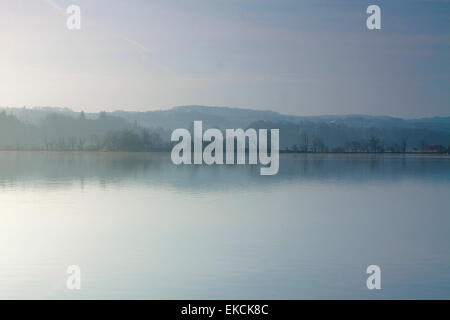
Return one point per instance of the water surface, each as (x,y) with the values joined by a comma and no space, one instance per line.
(141,227)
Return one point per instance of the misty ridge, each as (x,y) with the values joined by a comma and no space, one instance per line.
(61,129)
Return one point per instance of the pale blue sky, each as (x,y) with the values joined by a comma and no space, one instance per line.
(296,57)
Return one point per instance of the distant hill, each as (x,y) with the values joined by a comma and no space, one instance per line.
(333,131)
(226,117)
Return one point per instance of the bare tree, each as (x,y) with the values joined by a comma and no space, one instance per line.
(423,145)
(403,143)
(318,145)
(373,144)
(81,142)
(304,141)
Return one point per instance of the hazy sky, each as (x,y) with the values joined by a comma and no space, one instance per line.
(296,57)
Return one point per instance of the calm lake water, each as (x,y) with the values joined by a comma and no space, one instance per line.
(141,227)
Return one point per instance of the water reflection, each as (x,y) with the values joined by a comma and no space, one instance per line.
(61,169)
(141,227)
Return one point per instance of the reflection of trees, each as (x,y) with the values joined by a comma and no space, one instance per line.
(65,169)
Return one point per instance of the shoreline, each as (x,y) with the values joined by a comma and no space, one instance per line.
(168,151)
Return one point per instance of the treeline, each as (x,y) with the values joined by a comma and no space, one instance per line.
(330,137)
(370,145)
(64,133)
(61,132)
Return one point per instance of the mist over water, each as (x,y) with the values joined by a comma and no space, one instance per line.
(141,227)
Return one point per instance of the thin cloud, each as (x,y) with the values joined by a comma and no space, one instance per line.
(55,6)
(143,50)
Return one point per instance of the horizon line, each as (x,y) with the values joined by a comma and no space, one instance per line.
(256,109)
